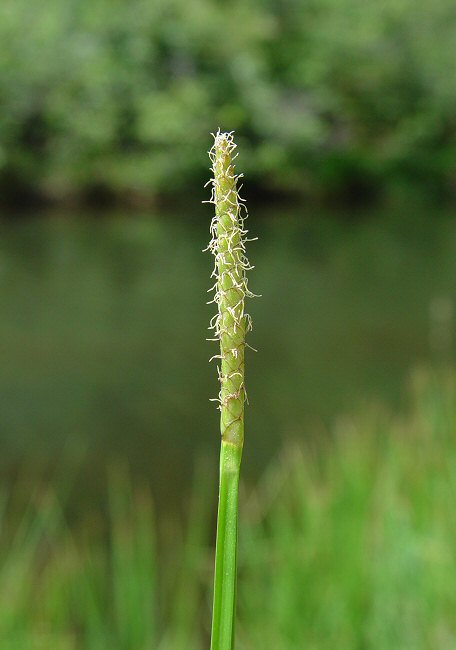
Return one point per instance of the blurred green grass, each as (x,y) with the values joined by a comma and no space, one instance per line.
(346,541)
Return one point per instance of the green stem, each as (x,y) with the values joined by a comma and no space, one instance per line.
(224,610)
(230,326)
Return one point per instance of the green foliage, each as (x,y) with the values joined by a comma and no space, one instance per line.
(328,95)
(348,542)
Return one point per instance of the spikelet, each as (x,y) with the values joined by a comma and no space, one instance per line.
(231,323)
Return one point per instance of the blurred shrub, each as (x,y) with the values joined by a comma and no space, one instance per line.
(119,96)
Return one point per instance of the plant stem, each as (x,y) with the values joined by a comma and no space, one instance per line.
(230,325)
(224,611)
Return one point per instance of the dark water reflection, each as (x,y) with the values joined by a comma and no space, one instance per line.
(103,325)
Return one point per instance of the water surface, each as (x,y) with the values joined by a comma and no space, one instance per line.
(103,325)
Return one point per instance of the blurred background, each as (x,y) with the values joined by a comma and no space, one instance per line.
(344,113)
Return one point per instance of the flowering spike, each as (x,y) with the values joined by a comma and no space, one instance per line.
(231,323)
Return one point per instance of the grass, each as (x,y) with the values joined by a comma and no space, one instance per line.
(345,542)
(230,325)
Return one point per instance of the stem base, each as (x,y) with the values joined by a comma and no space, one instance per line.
(224,609)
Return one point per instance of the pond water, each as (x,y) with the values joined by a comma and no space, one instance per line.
(103,323)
